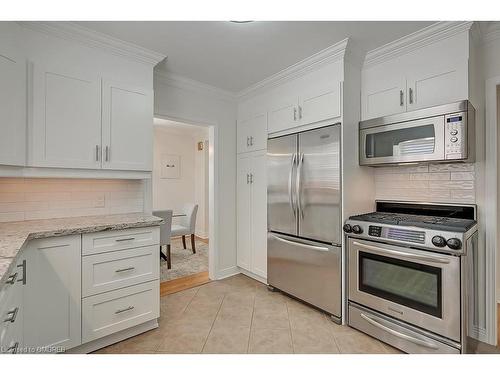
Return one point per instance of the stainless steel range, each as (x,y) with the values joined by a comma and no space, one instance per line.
(408,267)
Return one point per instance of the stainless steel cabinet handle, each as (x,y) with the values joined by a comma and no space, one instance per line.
(401,98)
(290,178)
(298,186)
(13,348)
(13,315)
(298,243)
(248,178)
(425,258)
(125,309)
(106,152)
(248,141)
(125,269)
(97,156)
(125,239)
(251,140)
(410,91)
(415,340)
(300,112)
(23,266)
(11,279)
(251,178)
(294,114)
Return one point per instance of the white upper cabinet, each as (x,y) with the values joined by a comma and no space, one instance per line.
(252,133)
(432,75)
(66,129)
(312,98)
(12,100)
(127,127)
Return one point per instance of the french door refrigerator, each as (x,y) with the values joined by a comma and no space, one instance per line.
(304,217)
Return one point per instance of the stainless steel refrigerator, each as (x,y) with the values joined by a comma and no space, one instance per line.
(304,216)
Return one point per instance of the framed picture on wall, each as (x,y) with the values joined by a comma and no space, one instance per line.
(170,166)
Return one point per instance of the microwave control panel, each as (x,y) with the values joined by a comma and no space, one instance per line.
(455,136)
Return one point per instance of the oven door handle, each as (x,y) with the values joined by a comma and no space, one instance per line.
(425,258)
(415,340)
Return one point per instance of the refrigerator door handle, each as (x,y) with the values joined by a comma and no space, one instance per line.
(290,177)
(298,186)
(305,245)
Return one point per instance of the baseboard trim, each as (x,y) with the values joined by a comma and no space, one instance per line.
(114,338)
(227,272)
(253,275)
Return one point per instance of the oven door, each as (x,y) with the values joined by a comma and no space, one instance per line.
(419,287)
(406,142)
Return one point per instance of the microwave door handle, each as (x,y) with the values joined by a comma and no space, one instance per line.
(376,323)
(290,178)
(425,258)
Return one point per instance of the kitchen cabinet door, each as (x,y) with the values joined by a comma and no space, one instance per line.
(252,133)
(320,102)
(383,96)
(52,295)
(259,214)
(244,211)
(436,84)
(66,129)
(12,102)
(127,127)
(283,114)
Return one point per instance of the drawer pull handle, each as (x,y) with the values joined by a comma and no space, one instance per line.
(13,315)
(11,279)
(13,348)
(125,269)
(125,239)
(124,310)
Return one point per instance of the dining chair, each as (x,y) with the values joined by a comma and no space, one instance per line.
(187,225)
(165,234)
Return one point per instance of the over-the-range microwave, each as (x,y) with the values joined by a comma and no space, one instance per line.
(443,133)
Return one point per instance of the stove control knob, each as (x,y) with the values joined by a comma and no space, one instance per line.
(454,243)
(347,228)
(357,229)
(438,241)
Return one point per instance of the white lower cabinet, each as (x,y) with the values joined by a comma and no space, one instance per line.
(107,313)
(252,213)
(52,297)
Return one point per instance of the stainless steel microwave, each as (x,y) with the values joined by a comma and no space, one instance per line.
(443,133)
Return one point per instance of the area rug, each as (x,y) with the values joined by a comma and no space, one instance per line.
(184,262)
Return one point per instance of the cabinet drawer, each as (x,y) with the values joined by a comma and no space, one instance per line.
(119,269)
(114,311)
(11,327)
(101,242)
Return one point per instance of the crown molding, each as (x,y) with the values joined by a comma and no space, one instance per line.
(192,85)
(73,32)
(329,54)
(416,40)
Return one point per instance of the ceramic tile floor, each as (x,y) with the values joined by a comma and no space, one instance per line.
(239,315)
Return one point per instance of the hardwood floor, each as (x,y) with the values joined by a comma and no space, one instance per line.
(187,282)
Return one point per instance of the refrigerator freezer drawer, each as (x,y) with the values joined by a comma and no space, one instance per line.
(308,270)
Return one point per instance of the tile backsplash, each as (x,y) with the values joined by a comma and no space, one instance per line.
(447,183)
(37,198)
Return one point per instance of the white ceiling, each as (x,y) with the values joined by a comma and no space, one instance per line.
(233,56)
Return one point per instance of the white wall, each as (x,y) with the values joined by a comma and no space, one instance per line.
(47,198)
(191,185)
(195,103)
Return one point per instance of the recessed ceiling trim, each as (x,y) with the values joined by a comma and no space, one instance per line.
(416,40)
(95,39)
(329,54)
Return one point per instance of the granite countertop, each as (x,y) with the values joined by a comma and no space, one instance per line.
(14,235)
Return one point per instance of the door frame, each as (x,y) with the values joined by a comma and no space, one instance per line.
(492,110)
(213,187)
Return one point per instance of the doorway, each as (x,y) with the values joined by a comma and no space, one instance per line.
(180,183)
